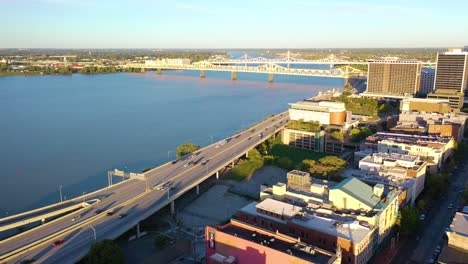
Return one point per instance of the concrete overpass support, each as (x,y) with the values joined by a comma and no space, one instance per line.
(233,75)
(202,74)
(270,77)
(217,175)
(138,230)
(43,221)
(247,154)
(159,70)
(172,207)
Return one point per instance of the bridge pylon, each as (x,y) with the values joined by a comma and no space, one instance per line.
(233,75)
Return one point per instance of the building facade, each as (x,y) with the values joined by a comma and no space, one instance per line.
(393,78)
(452,71)
(427,82)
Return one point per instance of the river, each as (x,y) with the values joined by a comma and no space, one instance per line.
(69,130)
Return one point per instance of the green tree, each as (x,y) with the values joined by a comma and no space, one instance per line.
(359,134)
(337,135)
(421,204)
(285,163)
(104,252)
(408,221)
(437,184)
(185,149)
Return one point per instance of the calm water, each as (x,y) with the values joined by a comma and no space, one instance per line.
(69,130)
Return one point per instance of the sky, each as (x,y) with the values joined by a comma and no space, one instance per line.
(204,24)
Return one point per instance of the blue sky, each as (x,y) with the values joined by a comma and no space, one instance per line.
(232,24)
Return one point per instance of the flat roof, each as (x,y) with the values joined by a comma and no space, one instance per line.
(274,242)
(278,207)
(408,138)
(459,224)
(350,230)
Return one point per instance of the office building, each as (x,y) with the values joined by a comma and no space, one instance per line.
(452,73)
(426,85)
(393,78)
(324,112)
(435,150)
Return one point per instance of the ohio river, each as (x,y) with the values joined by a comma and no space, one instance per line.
(69,130)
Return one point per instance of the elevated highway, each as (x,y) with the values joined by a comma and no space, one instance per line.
(137,198)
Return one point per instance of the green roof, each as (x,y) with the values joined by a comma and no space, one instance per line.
(359,190)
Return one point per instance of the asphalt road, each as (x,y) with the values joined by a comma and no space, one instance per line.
(421,249)
(130,197)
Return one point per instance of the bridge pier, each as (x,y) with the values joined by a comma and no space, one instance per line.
(138,230)
(233,75)
(159,71)
(247,154)
(232,164)
(43,221)
(198,189)
(172,207)
(202,74)
(270,77)
(217,175)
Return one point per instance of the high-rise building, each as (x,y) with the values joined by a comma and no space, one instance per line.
(393,78)
(427,82)
(452,71)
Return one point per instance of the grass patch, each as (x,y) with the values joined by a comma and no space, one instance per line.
(247,168)
(296,155)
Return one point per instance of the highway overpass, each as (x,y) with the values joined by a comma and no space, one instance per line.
(138,198)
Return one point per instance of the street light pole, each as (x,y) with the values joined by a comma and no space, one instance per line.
(94,232)
(60,188)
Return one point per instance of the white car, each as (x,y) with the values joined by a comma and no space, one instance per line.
(76,217)
(185,165)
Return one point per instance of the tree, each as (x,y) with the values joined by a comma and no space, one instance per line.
(437,184)
(408,221)
(185,149)
(105,251)
(421,205)
(285,163)
(359,134)
(337,135)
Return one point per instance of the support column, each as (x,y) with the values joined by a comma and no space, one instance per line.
(198,189)
(159,70)
(43,221)
(138,230)
(172,207)
(247,154)
(232,164)
(270,77)
(202,74)
(217,175)
(233,75)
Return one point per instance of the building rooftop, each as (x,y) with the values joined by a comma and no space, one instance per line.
(278,207)
(332,224)
(359,190)
(421,140)
(274,241)
(459,224)
(322,106)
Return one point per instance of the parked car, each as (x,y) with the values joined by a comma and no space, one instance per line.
(58,243)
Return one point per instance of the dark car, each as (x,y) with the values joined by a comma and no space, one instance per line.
(122,215)
(27,261)
(58,243)
(204,162)
(110,213)
(98,211)
(174,161)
